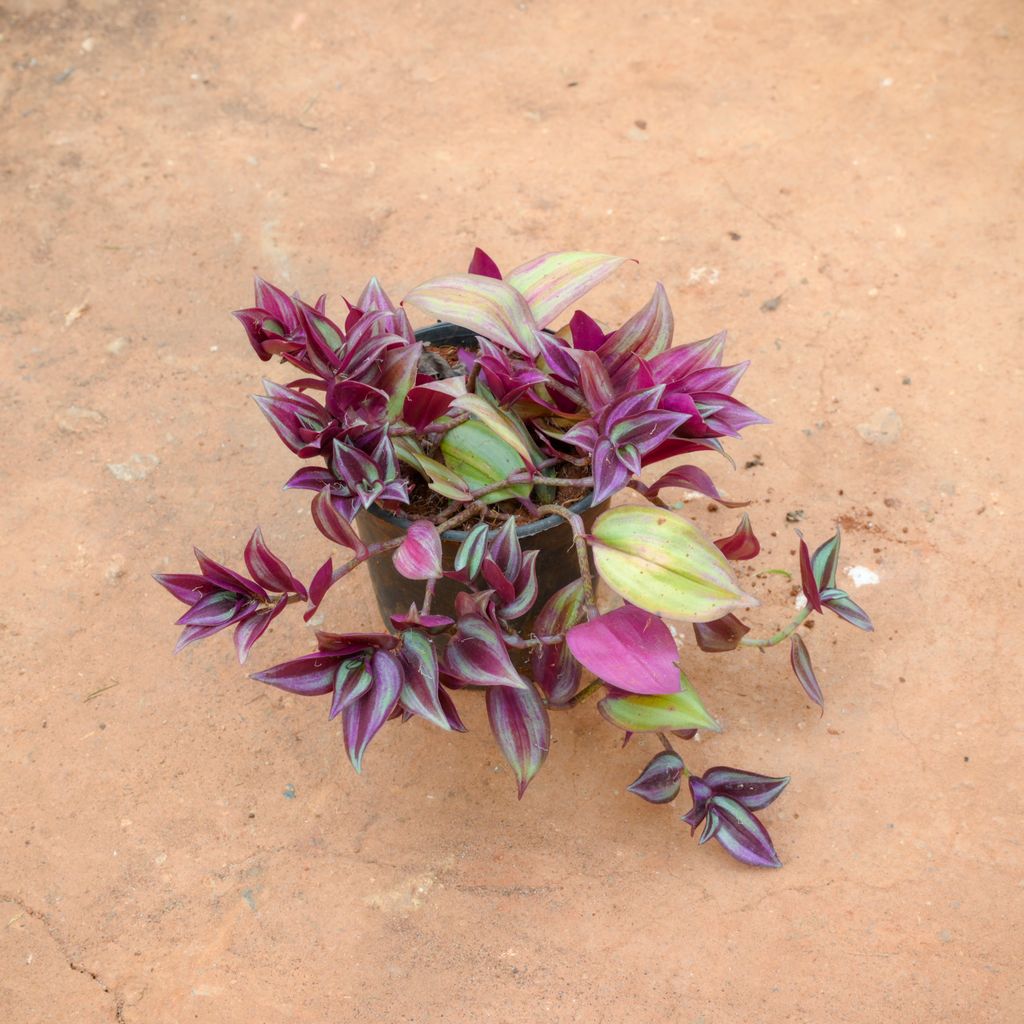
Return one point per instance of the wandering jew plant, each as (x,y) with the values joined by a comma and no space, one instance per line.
(527,422)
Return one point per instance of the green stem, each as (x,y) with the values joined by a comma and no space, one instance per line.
(783,634)
(667,744)
(582,695)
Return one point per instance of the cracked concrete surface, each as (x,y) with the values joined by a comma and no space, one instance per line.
(180,845)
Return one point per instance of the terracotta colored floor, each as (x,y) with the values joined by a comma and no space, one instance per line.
(180,844)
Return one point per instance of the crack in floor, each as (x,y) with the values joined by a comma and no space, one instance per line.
(62,946)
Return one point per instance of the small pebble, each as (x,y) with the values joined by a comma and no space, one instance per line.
(884,427)
(138,467)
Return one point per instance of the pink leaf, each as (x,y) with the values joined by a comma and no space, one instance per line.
(419,556)
(628,648)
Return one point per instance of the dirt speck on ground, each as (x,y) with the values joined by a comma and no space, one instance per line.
(182,844)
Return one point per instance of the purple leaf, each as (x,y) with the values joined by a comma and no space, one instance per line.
(700,793)
(374,298)
(693,479)
(470,555)
(190,634)
(610,475)
(594,381)
(249,630)
(352,643)
(553,667)
(363,718)
(419,555)
(721,635)
(801,662)
(723,414)
(351,681)
(308,676)
(420,692)
(742,544)
(740,833)
(846,608)
(219,609)
(506,550)
(310,478)
(187,587)
(477,655)
(428,623)
(658,783)
(807,580)
(721,379)
(427,402)
(332,524)
(483,265)
(586,332)
(451,712)
(318,588)
(525,589)
(228,579)
(275,302)
(647,430)
(647,333)
(520,724)
(268,570)
(629,648)
(747,788)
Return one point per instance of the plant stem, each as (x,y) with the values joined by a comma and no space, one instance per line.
(404,430)
(582,695)
(641,488)
(428,596)
(582,555)
(783,634)
(528,643)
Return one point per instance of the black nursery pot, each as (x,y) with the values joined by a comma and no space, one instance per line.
(557,564)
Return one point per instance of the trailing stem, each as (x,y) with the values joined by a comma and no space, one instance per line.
(783,634)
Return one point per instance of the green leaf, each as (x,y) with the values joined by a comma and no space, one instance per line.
(505,425)
(441,478)
(488,307)
(554,281)
(662,563)
(474,452)
(658,712)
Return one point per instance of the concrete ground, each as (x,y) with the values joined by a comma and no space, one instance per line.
(837,183)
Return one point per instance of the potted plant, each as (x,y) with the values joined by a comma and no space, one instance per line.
(471,465)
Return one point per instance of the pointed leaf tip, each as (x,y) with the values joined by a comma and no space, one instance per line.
(800,659)
(658,783)
(519,722)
